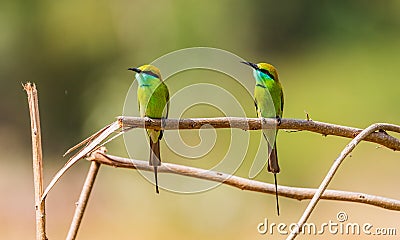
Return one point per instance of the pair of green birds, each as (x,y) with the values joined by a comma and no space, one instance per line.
(153,100)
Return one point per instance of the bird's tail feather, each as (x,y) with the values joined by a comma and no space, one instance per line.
(273,167)
(276,194)
(155,159)
(156,179)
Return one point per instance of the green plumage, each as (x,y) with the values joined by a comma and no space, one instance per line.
(264,109)
(153,101)
(268,98)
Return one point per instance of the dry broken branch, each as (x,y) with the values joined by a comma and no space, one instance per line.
(37,160)
(246,184)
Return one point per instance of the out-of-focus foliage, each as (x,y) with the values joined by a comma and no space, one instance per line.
(69,48)
(338,60)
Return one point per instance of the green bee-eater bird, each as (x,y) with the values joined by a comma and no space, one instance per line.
(268,91)
(153,100)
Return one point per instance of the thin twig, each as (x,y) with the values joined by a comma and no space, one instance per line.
(37,160)
(346,151)
(83,200)
(246,184)
(86,141)
(92,143)
(256,124)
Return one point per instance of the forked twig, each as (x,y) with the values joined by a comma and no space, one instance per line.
(346,151)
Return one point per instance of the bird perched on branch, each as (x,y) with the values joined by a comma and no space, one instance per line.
(268,98)
(153,100)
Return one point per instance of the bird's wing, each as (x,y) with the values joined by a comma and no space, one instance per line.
(257,110)
(282,103)
(167,100)
(166,112)
(258,163)
(138,101)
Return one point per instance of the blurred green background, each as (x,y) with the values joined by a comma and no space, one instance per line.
(337,60)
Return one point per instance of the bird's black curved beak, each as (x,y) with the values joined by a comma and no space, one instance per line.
(135,70)
(253,65)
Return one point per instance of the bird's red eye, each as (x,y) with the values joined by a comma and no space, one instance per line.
(265,71)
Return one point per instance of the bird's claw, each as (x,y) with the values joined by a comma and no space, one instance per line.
(383,131)
(278,120)
(147,119)
(264,120)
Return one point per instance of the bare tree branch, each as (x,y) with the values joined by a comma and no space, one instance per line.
(126,123)
(335,166)
(83,200)
(246,184)
(37,160)
(256,124)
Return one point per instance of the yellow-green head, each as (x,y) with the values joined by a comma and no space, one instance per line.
(263,72)
(146,73)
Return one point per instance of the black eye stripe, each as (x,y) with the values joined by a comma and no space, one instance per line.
(150,73)
(265,71)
